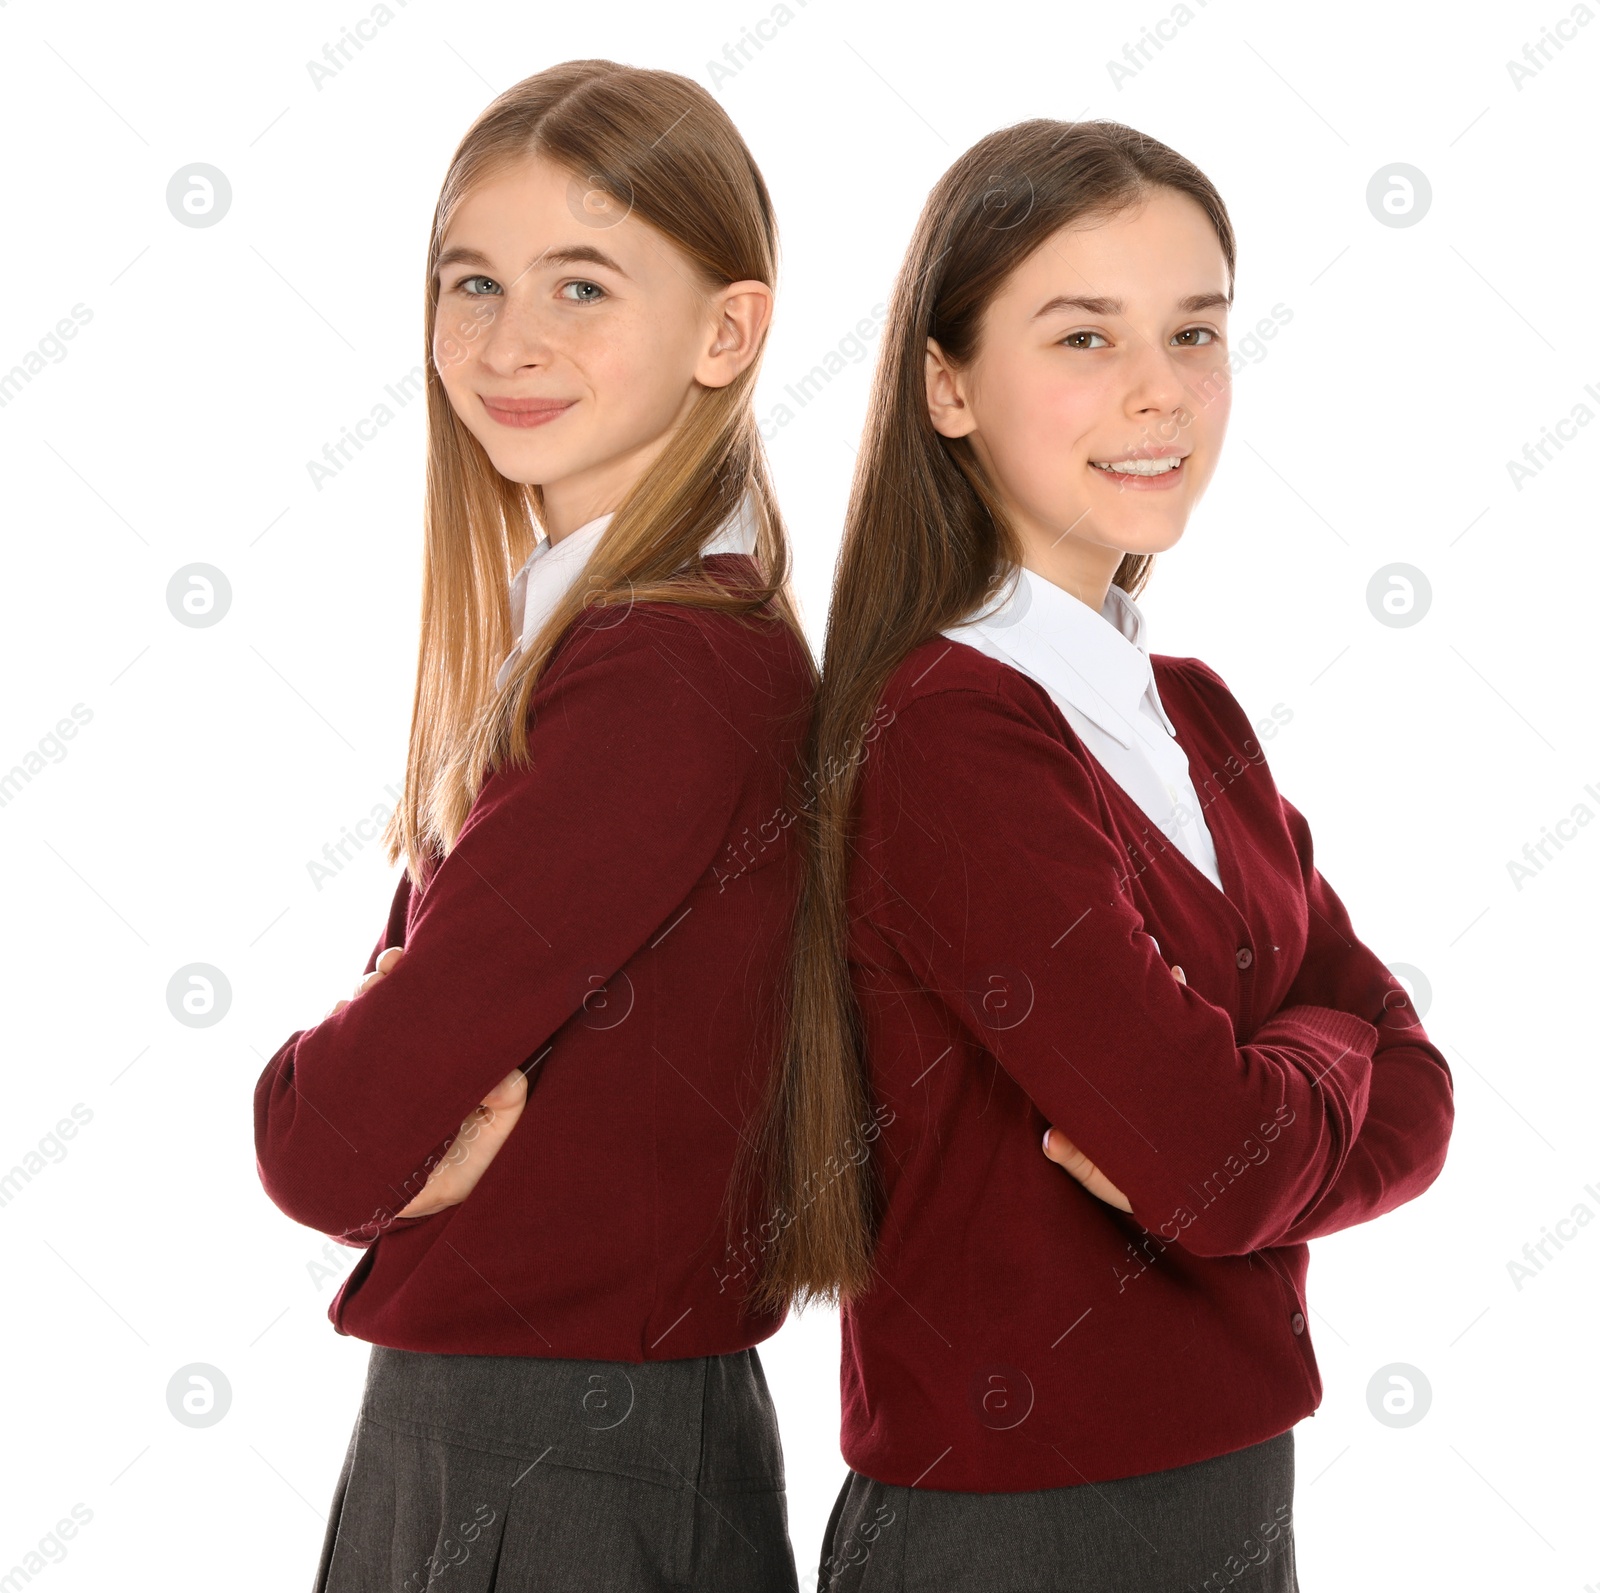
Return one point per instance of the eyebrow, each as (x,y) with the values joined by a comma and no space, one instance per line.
(1097,306)
(568,254)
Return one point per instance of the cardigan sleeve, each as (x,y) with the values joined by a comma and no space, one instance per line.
(394,934)
(989,867)
(1410,1101)
(564,868)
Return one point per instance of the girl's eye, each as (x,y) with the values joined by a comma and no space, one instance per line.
(1193,332)
(594,294)
(465,280)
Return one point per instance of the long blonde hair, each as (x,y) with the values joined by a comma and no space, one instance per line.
(664,149)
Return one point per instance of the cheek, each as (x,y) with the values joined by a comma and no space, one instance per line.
(459,334)
(452,363)
(1210,408)
(1212,400)
(637,370)
(1037,427)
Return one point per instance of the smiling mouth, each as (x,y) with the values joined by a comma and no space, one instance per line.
(1171,464)
(524,412)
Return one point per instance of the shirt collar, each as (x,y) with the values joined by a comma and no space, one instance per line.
(1099,662)
(552,567)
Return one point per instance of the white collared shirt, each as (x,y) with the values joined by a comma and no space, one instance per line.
(1096,668)
(552,567)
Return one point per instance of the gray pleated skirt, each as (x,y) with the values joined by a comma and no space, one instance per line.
(1223,1525)
(467,1473)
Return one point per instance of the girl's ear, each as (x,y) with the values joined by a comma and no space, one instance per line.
(741,313)
(947,406)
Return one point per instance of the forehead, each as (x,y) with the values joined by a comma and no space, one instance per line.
(1152,256)
(534,209)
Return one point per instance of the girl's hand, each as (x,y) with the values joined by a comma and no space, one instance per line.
(476,1144)
(1062,1151)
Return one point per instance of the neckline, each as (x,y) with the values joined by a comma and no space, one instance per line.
(1221,835)
(1221,842)
(1104,649)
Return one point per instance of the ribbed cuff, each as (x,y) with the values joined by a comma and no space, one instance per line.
(1343,1031)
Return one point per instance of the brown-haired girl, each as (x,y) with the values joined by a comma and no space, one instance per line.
(528,1112)
(1083,1046)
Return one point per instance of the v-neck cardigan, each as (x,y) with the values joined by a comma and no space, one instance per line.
(1014,916)
(614,919)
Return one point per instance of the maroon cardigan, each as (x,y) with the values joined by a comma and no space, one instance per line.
(615,919)
(1014,919)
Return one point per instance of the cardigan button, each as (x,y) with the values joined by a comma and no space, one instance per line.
(1297,1322)
(1244,957)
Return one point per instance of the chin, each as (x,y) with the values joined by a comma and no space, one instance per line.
(523,467)
(1134,539)
(1152,544)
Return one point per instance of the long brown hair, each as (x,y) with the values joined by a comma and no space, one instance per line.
(925,543)
(661,147)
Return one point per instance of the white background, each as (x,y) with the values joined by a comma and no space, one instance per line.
(177,826)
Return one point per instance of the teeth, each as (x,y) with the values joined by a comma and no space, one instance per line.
(1139,467)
